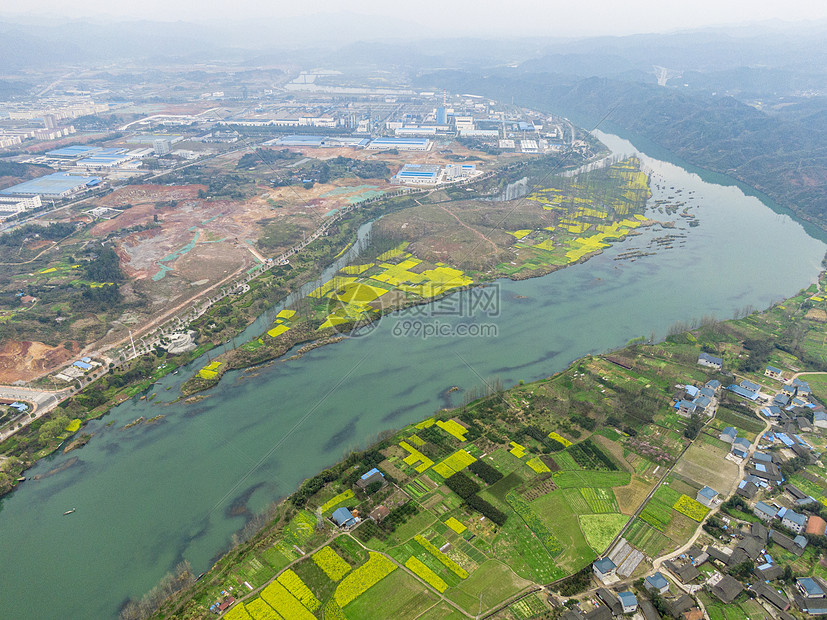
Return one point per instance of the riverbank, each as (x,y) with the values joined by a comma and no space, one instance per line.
(558,467)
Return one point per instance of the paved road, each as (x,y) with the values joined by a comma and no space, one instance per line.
(43,401)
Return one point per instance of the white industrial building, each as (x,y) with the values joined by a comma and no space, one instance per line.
(18,204)
(455,172)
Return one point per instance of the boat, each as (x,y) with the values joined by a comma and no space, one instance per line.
(68,512)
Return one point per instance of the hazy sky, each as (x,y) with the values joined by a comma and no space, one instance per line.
(555,17)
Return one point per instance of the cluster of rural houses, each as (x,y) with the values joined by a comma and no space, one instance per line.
(793,412)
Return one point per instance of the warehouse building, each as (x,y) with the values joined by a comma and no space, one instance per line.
(53,186)
(418,174)
(401,144)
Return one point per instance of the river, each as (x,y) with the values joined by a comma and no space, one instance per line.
(149,496)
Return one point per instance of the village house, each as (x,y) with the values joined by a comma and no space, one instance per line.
(656,583)
(707,497)
(764,511)
(794,521)
(604,569)
(727,589)
(747,489)
(772,596)
(343,518)
(610,600)
(773,373)
(816,525)
(628,602)
(710,361)
(810,597)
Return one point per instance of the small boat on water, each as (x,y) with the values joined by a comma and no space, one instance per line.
(68,512)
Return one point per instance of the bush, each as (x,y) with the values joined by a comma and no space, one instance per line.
(486,509)
(462,485)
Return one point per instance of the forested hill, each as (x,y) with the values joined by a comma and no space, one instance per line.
(783,154)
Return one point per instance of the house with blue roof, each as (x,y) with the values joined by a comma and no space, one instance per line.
(728,434)
(742,443)
(765,511)
(713,384)
(773,411)
(707,496)
(742,392)
(804,501)
(773,373)
(691,391)
(656,583)
(820,419)
(762,457)
(21,407)
(82,365)
(710,361)
(781,400)
(367,479)
(343,518)
(708,392)
(789,389)
(604,569)
(809,588)
(749,385)
(794,521)
(783,438)
(628,602)
(702,403)
(685,408)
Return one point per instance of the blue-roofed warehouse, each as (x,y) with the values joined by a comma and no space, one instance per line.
(57,185)
(422,174)
(72,152)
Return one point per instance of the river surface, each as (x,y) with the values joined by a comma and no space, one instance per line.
(149,496)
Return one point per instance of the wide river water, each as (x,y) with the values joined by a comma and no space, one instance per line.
(149,496)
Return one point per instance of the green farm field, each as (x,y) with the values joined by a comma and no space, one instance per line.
(492,582)
(399,595)
(708,466)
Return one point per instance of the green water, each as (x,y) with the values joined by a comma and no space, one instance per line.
(150,496)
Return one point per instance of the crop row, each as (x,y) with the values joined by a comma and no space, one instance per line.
(295,586)
(338,499)
(426,574)
(692,508)
(448,562)
(522,508)
(363,578)
(277,596)
(331,563)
